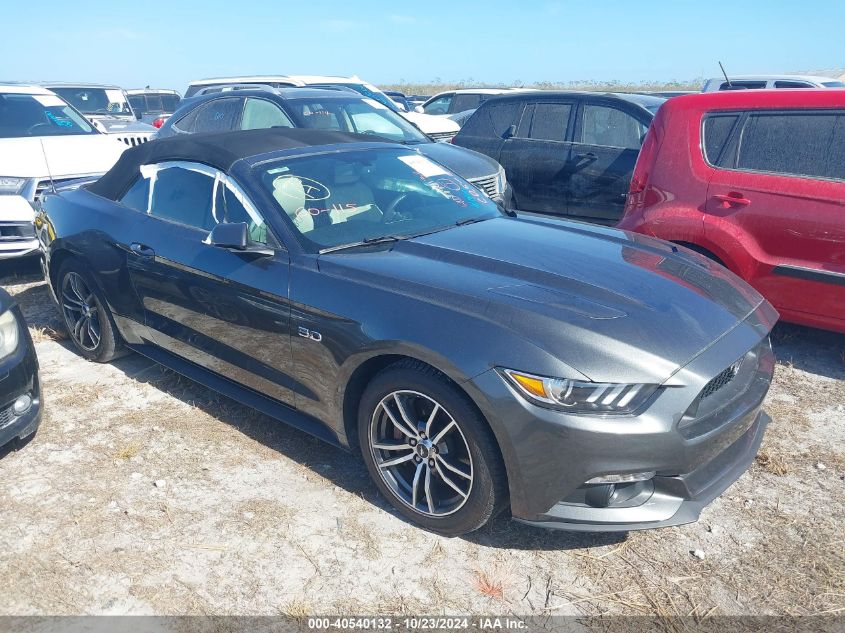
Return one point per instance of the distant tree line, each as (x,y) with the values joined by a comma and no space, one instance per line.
(439,85)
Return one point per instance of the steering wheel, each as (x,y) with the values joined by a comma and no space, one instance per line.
(32,128)
(391,213)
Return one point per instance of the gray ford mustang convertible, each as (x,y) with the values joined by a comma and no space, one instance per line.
(578,376)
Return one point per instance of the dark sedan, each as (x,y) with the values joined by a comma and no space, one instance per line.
(338,110)
(20,391)
(587,378)
(568,154)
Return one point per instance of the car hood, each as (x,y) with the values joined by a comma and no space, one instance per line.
(114,125)
(432,124)
(612,306)
(464,162)
(66,155)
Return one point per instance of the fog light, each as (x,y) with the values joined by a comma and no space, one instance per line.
(22,404)
(622,479)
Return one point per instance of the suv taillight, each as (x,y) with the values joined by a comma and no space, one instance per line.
(645,160)
(158,122)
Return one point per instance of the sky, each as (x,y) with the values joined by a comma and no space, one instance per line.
(167,43)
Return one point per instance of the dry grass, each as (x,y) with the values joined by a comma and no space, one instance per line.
(490,584)
(439,85)
(47,333)
(772,462)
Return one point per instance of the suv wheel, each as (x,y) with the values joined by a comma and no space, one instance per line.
(429,450)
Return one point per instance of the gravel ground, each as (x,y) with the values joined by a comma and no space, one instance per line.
(145,493)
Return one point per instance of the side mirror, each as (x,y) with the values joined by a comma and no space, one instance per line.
(139,115)
(230,235)
(510,132)
(235,236)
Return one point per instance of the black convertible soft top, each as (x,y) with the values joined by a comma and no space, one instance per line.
(220,150)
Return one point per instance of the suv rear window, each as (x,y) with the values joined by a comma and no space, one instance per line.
(796,144)
(715,133)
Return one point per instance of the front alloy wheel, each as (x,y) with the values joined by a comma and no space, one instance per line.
(429,449)
(421,453)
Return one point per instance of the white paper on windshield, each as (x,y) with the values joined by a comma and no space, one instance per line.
(423,166)
(48,101)
(115,96)
(375,103)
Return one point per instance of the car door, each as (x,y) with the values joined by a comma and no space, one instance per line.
(608,139)
(224,310)
(486,130)
(537,157)
(781,183)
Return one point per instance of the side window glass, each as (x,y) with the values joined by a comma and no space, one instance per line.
(609,127)
(550,121)
(502,116)
(138,196)
(261,114)
(316,116)
(439,106)
(715,133)
(188,122)
(789,144)
(219,115)
(229,208)
(138,102)
(836,160)
(465,102)
(792,84)
(184,196)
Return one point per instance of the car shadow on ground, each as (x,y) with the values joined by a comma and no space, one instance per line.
(815,351)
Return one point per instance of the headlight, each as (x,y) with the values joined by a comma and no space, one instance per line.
(8,333)
(580,396)
(501,180)
(10,185)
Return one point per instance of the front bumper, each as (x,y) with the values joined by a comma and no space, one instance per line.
(17,235)
(18,376)
(697,448)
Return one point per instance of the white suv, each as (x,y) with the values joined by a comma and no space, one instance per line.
(438,128)
(42,138)
(758,82)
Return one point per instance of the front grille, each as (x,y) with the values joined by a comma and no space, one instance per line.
(442,136)
(15,231)
(488,184)
(721,380)
(133,140)
(6,417)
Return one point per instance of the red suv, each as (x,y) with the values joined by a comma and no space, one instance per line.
(756,180)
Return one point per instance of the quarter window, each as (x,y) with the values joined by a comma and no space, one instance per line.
(797,144)
(184,196)
(218,115)
(608,127)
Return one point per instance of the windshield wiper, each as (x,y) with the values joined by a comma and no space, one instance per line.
(383,239)
(470,221)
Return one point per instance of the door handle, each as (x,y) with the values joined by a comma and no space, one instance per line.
(586,156)
(142,250)
(732,199)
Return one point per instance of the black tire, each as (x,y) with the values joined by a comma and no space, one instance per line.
(109,345)
(469,445)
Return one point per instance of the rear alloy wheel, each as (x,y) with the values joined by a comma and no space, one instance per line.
(88,322)
(429,451)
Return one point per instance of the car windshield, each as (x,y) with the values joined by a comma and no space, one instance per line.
(95,100)
(372,92)
(39,115)
(356,197)
(363,116)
